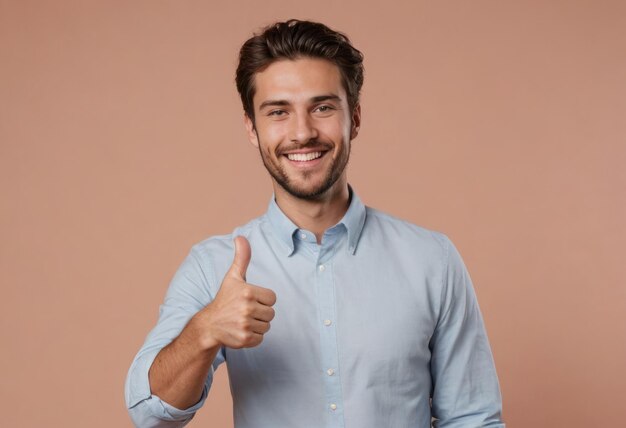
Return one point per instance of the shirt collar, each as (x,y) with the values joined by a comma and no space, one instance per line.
(281,225)
(353,220)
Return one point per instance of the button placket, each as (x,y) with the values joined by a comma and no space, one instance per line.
(329,349)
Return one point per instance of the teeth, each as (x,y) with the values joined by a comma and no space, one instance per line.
(302,157)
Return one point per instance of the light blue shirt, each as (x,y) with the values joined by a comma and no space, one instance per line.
(371,327)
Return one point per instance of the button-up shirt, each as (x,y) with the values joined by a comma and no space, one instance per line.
(377,326)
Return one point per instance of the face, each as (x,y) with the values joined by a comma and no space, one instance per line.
(303,126)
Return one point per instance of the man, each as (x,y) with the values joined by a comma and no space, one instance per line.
(374,322)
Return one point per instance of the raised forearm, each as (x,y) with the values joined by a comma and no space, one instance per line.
(179,371)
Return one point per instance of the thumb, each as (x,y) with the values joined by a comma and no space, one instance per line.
(243,253)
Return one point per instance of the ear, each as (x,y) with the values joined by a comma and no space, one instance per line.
(250,130)
(356,122)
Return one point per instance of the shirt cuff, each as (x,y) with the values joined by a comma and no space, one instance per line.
(178,414)
(142,403)
(137,381)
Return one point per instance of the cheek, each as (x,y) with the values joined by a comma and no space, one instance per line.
(339,135)
(272,136)
(332,130)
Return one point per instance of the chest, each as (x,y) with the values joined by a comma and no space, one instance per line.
(380,310)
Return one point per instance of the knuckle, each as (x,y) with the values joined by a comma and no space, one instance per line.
(244,324)
(247,293)
(247,309)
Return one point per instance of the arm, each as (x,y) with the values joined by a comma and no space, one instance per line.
(178,372)
(465,385)
(188,293)
(174,369)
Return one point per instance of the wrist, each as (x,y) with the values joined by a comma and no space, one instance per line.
(200,337)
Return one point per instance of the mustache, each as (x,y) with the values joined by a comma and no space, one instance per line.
(313,144)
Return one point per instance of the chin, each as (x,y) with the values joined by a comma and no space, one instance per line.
(305,193)
(310,192)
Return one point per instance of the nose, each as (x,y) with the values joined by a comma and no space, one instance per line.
(302,129)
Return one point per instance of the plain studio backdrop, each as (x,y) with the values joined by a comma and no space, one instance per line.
(502,124)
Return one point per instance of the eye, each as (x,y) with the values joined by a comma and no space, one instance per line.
(276,113)
(324,108)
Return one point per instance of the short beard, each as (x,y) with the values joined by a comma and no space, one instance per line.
(279,175)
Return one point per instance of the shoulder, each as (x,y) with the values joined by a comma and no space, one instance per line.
(215,247)
(396,232)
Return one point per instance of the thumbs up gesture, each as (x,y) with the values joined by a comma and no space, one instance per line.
(240,314)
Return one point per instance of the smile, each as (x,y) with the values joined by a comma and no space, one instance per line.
(304,157)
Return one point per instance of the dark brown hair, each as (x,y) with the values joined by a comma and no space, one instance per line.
(294,39)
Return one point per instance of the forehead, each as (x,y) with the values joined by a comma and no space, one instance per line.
(298,80)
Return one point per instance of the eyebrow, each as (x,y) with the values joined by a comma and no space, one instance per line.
(317,99)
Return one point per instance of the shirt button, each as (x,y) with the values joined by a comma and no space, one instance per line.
(333,406)
(321,268)
(303,236)
(330,372)
(327,322)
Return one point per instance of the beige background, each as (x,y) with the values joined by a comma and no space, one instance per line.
(501,123)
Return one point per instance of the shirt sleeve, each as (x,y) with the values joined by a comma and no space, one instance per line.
(188,293)
(465,385)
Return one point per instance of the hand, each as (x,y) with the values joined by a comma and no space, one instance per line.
(240,314)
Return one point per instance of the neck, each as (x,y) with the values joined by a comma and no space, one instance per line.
(315,215)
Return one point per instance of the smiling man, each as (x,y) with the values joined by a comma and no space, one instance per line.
(303,127)
(374,321)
